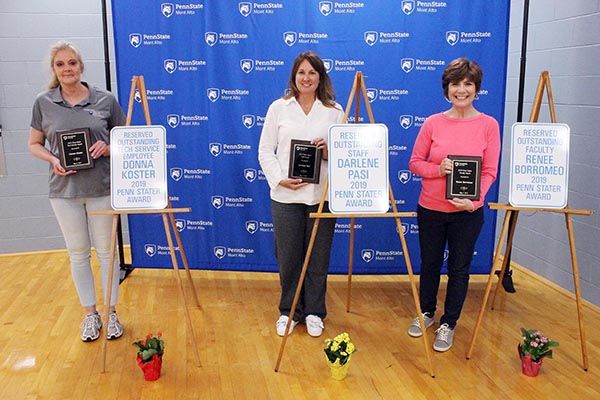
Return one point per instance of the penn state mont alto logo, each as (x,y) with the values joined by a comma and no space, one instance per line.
(215,149)
(245,8)
(212,94)
(452,37)
(170,65)
(167,9)
(407,64)
(220,252)
(408,6)
(328,64)
(250,174)
(135,39)
(247,65)
(150,249)
(176,173)
(180,224)
(367,255)
(372,95)
(210,38)
(325,7)
(290,38)
(217,201)
(406,121)
(248,120)
(371,37)
(173,120)
(404,176)
(252,227)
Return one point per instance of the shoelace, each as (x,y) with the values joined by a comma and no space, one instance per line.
(89,323)
(443,331)
(418,323)
(315,322)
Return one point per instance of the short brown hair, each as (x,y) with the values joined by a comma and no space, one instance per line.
(325,89)
(459,69)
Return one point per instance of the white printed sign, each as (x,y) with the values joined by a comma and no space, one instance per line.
(358,168)
(138,173)
(539,165)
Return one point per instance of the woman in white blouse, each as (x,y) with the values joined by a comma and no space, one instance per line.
(305,113)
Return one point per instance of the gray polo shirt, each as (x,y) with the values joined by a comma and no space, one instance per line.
(99,112)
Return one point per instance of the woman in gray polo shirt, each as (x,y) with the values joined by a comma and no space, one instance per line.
(71,104)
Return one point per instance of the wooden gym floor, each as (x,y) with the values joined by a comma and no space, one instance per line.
(42,357)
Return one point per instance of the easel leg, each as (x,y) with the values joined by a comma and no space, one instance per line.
(184,258)
(488,287)
(311,243)
(180,285)
(111,268)
(413,287)
(577,291)
(350,262)
(507,251)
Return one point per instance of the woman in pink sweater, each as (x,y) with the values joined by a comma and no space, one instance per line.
(461,130)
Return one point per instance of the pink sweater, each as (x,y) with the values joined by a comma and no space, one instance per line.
(440,136)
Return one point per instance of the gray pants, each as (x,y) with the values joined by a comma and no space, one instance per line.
(293,228)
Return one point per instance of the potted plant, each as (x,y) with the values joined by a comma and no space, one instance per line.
(149,355)
(532,351)
(337,352)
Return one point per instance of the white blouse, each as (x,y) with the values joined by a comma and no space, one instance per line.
(285,121)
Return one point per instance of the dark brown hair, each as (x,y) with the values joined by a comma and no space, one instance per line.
(460,69)
(325,89)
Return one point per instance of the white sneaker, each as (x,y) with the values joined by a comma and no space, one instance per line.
(90,327)
(115,328)
(314,325)
(281,324)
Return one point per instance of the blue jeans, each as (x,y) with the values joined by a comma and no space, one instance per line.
(79,229)
(460,231)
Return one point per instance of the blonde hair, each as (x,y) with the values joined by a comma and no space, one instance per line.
(56,47)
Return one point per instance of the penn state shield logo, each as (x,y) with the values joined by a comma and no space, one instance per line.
(408,6)
(290,38)
(170,65)
(217,201)
(446,254)
(173,120)
(404,176)
(406,121)
(150,250)
(452,37)
(180,224)
(248,120)
(212,94)
(210,38)
(328,64)
(367,255)
(176,173)
(167,9)
(407,64)
(252,227)
(371,37)
(404,228)
(372,95)
(250,174)
(135,39)
(220,252)
(215,149)
(137,96)
(325,7)
(245,8)
(247,65)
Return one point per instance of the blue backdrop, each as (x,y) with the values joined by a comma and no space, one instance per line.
(213,67)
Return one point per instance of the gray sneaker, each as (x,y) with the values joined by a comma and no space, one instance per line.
(444,336)
(115,328)
(90,327)
(414,329)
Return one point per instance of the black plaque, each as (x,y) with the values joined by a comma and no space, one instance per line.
(305,161)
(74,149)
(464,181)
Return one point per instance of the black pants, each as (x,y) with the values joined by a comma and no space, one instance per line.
(293,228)
(460,231)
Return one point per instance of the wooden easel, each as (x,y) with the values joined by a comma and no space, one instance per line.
(168,222)
(513,212)
(358,87)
